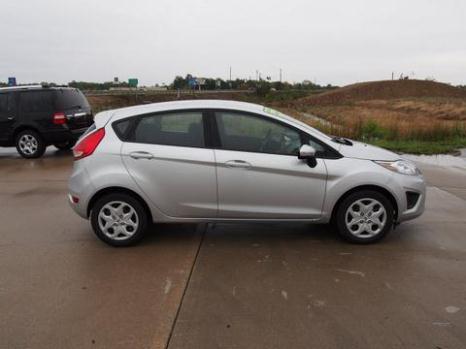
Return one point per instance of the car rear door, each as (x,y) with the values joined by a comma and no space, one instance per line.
(166,156)
(259,175)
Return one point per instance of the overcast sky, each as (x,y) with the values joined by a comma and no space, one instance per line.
(331,41)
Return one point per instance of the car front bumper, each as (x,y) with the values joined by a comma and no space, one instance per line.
(415,185)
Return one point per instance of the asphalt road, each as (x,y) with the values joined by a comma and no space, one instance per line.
(225,286)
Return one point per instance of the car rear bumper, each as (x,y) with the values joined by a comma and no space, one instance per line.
(80,188)
(65,135)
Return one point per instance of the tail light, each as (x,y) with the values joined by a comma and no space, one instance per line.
(88,144)
(59,118)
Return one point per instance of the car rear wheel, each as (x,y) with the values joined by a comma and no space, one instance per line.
(119,219)
(365,217)
(30,144)
(65,145)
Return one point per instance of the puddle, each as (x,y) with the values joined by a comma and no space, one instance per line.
(457,162)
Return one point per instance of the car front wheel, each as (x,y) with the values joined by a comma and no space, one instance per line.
(119,219)
(365,217)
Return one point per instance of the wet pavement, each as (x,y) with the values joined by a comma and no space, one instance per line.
(225,285)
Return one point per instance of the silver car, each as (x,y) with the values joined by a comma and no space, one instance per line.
(225,161)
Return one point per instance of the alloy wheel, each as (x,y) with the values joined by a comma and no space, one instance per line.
(28,144)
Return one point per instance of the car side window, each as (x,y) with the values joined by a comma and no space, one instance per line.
(7,103)
(3,103)
(185,129)
(37,101)
(246,132)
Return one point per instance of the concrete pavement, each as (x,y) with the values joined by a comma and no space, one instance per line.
(225,286)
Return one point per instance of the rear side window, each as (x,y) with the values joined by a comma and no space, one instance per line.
(71,99)
(122,128)
(3,103)
(7,104)
(185,129)
(37,101)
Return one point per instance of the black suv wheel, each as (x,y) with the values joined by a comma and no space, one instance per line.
(30,144)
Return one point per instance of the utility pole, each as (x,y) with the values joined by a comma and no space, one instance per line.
(280,74)
(230,72)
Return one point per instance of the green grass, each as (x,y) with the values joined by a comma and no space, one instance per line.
(422,147)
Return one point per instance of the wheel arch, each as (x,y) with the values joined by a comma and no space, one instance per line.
(117,190)
(372,187)
(22,128)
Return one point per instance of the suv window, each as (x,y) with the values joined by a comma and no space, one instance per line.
(3,103)
(185,129)
(70,98)
(37,101)
(245,132)
(7,103)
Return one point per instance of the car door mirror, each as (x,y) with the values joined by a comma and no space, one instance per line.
(306,152)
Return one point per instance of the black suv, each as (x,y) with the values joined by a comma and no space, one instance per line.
(33,117)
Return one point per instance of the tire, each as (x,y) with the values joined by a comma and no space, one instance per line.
(370,225)
(119,231)
(65,145)
(30,144)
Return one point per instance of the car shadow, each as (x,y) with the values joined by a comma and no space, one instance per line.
(322,233)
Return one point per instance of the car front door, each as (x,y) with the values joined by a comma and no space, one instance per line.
(258,171)
(167,157)
(8,116)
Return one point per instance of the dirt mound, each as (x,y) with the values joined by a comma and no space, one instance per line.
(390,89)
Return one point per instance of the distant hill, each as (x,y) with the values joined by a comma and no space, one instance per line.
(382,90)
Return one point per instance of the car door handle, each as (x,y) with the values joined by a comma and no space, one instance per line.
(10,118)
(141,155)
(238,164)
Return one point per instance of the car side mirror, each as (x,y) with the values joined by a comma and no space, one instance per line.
(308,153)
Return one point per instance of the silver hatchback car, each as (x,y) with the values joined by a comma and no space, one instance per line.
(225,161)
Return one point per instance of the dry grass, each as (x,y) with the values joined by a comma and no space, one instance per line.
(424,119)
(407,110)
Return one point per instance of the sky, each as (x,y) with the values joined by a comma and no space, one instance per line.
(332,41)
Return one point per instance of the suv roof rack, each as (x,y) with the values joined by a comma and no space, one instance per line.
(23,87)
(32,87)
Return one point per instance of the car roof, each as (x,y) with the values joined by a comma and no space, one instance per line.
(186,104)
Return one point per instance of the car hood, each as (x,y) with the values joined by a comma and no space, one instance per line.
(365,151)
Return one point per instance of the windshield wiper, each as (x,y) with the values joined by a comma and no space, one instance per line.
(342,140)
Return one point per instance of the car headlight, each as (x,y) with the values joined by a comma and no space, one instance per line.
(400,166)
